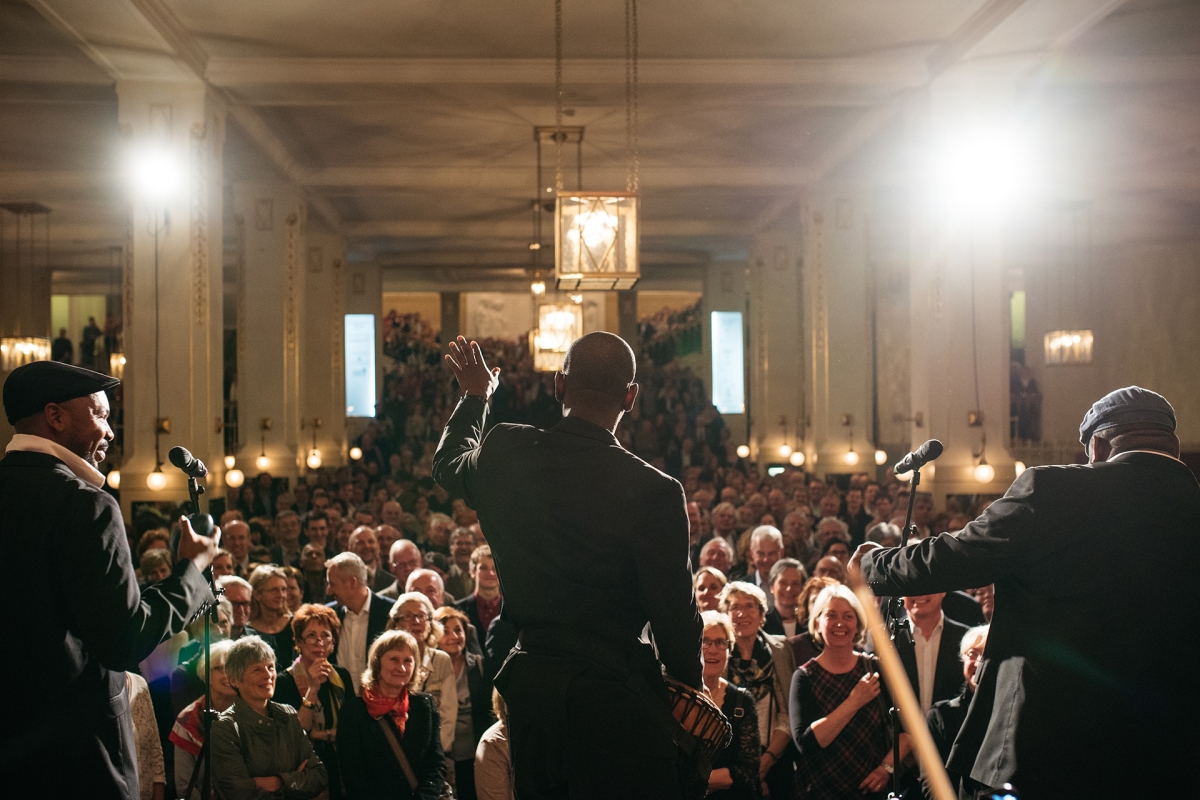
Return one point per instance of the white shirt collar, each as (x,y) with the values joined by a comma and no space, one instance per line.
(28,443)
(365,607)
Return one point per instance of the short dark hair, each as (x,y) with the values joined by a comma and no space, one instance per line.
(600,364)
(315,515)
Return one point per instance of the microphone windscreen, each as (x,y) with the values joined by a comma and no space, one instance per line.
(933,449)
(180,457)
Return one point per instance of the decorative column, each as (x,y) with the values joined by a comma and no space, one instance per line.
(776,345)
(959,304)
(174,134)
(838,366)
(323,393)
(271,326)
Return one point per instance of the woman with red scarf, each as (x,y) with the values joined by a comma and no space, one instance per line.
(391,716)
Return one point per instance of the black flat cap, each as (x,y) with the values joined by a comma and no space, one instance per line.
(1133,404)
(30,388)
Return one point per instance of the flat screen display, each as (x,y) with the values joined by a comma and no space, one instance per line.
(360,365)
(728,367)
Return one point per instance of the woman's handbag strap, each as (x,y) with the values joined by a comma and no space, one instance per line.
(404,765)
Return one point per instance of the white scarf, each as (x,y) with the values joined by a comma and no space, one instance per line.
(28,443)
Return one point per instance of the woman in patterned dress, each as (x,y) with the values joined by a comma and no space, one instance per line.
(838,714)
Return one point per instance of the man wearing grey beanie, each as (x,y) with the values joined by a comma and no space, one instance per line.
(1086,687)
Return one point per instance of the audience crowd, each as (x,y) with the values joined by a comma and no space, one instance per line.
(359,626)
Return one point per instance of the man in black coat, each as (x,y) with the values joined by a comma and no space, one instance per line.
(1086,687)
(346,577)
(80,620)
(591,543)
(926,621)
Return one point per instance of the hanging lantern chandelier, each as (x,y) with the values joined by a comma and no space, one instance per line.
(596,233)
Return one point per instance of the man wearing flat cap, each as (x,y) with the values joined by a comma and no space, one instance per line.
(1088,687)
(78,621)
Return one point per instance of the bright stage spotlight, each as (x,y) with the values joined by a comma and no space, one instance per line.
(981,170)
(156,173)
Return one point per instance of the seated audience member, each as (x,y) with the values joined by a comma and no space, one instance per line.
(235,537)
(492,777)
(391,710)
(187,735)
(296,589)
(830,567)
(239,593)
(403,559)
(387,536)
(222,564)
(766,547)
(154,566)
(839,718)
(804,646)
(708,583)
(316,688)
(717,554)
(735,768)
(484,603)
(316,530)
(459,583)
(428,583)
(437,534)
(152,771)
(365,545)
(286,552)
(885,534)
(946,717)
(269,613)
(474,698)
(786,580)
(364,614)
(435,673)
(931,657)
(797,535)
(837,549)
(762,664)
(312,564)
(258,747)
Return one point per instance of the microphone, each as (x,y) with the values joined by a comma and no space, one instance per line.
(914,460)
(194,467)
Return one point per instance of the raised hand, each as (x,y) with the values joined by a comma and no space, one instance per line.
(466,362)
(200,550)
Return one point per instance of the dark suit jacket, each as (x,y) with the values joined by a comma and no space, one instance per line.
(377,618)
(587,537)
(1095,569)
(67,565)
(369,766)
(467,606)
(948,674)
(962,608)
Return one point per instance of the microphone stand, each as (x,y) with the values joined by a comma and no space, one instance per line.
(203,525)
(900,633)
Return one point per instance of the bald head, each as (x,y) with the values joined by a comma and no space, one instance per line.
(599,369)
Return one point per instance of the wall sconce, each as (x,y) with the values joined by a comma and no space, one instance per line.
(262,462)
(314,455)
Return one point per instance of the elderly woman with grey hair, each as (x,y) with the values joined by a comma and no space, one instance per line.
(762,664)
(413,612)
(258,747)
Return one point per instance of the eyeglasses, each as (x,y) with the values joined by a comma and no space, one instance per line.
(974,655)
(722,644)
(324,638)
(406,618)
(243,604)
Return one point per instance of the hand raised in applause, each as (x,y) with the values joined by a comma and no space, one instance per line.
(200,550)
(465,360)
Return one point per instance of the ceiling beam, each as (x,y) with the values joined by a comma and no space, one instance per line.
(869,71)
(521,229)
(493,177)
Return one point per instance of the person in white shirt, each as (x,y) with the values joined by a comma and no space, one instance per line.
(932,659)
(363,614)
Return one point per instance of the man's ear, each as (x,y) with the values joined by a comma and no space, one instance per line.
(560,386)
(55,416)
(630,398)
(1098,450)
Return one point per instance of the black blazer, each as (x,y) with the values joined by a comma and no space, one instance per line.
(369,766)
(948,674)
(587,537)
(66,562)
(1095,569)
(377,619)
(961,607)
(468,607)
